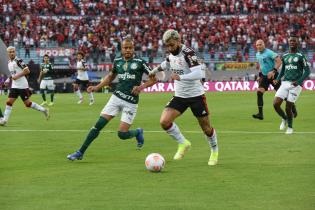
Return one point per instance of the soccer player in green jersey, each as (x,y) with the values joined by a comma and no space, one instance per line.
(295,69)
(129,71)
(46,81)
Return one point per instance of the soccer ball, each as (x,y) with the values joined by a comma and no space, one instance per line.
(154,162)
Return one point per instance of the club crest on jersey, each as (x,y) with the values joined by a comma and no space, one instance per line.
(290,60)
(295,59)
(133,66)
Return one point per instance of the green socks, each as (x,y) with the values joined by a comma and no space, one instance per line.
(94,132)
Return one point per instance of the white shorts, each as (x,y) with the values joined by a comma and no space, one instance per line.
(289,91)
(116,105)
(47,84)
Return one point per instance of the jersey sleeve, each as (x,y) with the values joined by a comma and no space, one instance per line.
(114,69)
(146,67)
(21,64)
(272,54)
(190,57)
(306,70)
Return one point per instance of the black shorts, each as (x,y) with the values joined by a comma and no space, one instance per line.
(198,105)
(23,93)
(264,82)
(83,84)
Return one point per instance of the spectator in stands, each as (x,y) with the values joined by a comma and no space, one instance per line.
(147,19)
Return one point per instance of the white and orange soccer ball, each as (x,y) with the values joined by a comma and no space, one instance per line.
(154,162)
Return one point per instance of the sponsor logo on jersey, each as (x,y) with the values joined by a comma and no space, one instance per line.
(125,96)
(126,75)
(178,71)
(291,67)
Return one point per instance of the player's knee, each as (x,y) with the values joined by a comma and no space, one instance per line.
(165,124)
(42,91)
(28,104)
(75,88)
(123,135)
(9,103)
(260,93)
(276,104)
(288,107)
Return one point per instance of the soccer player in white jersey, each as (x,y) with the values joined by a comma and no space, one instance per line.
(189,93)
(19,86)
(82,81)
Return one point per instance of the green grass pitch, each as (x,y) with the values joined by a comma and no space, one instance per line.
(260,168)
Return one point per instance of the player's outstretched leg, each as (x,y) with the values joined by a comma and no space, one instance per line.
(94,132)
(37,107)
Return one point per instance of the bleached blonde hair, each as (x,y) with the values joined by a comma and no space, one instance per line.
(170,34)
(11,48)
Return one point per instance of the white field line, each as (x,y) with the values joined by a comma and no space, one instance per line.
(158,131)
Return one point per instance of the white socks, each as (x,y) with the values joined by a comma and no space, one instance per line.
(7,112)
(38,107)
(213,142)
(78,92)
(91,96)
(176,134)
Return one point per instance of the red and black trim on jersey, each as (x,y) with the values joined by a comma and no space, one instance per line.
(20,63)
(190,57)
(83,63)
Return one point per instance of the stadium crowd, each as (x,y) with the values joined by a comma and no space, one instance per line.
(96,27)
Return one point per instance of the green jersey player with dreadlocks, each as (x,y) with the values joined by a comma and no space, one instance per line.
(295,69)
(129,71)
